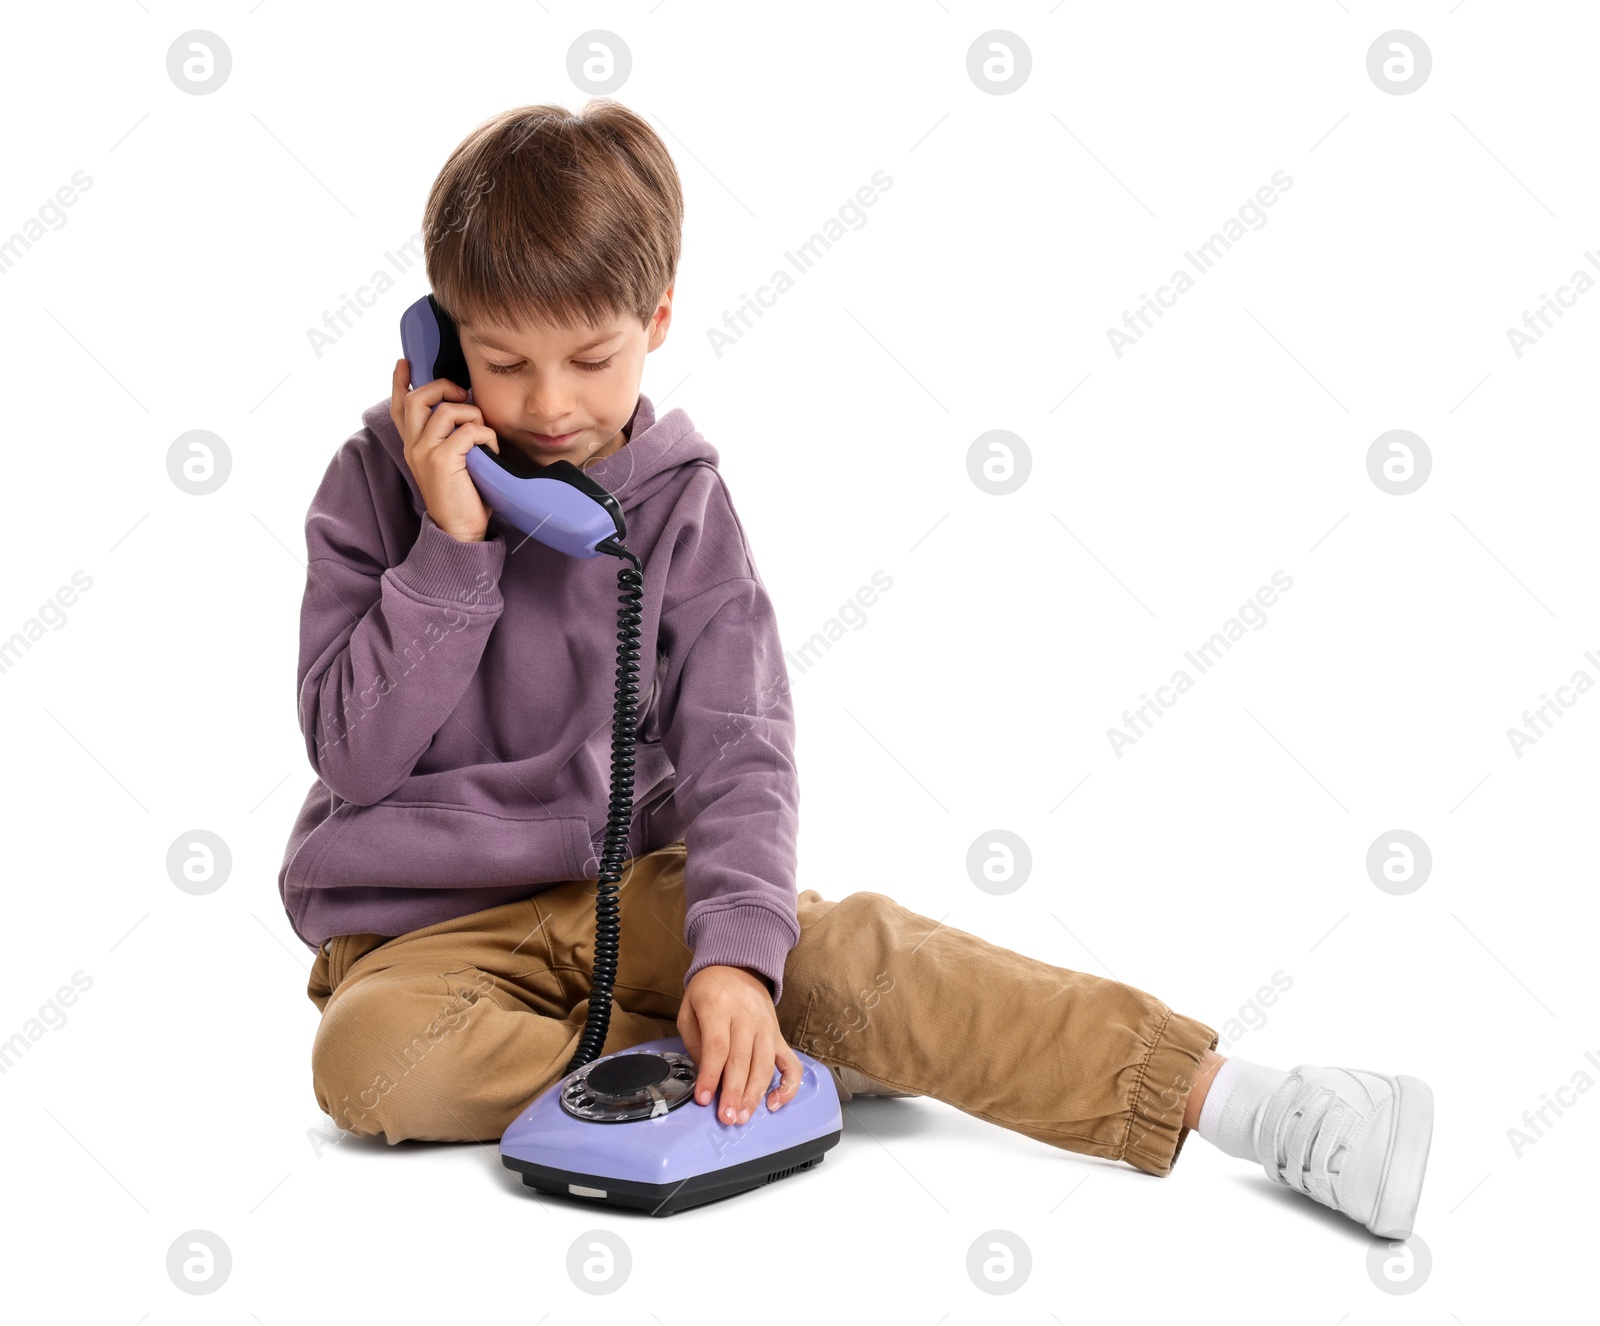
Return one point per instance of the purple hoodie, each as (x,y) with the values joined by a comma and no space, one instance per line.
(456,702)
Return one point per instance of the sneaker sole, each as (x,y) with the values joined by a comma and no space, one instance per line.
(1401,1190)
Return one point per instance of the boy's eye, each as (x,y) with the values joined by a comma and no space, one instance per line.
(593,366)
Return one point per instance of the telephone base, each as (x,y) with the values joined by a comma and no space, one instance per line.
(664,1199)
(625,1130)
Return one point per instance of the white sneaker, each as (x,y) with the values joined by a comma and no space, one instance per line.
(1353,1140)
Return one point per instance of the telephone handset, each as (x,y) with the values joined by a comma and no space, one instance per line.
(558,503)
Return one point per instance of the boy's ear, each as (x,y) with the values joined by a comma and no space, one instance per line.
(660,320)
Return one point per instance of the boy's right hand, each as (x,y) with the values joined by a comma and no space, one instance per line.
(438,428)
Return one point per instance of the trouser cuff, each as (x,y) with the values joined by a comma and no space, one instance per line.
(1156,1135)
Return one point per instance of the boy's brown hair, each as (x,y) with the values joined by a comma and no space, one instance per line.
(545,218)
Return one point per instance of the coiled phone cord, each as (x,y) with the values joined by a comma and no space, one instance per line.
(607,910)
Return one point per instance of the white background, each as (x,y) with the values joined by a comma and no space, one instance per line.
(1167,485)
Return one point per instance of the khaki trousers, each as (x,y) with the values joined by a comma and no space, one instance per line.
(446,1033)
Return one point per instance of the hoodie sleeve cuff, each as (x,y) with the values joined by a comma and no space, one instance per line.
(441,566)
(742,936)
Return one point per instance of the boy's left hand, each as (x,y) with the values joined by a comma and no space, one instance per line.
(730,1026)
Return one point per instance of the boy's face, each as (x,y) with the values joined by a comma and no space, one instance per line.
(563,394)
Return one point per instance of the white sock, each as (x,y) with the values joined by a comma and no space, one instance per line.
(1238,1091)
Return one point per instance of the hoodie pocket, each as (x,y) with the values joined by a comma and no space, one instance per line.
(426,845)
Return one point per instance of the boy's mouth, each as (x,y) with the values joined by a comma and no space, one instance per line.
(561,441)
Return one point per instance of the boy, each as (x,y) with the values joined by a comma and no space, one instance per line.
(455,695)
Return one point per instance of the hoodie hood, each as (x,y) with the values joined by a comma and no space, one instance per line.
(656,449)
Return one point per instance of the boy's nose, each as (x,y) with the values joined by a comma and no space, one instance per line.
(547,409)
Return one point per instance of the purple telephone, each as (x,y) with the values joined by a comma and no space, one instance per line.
(663,1152)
